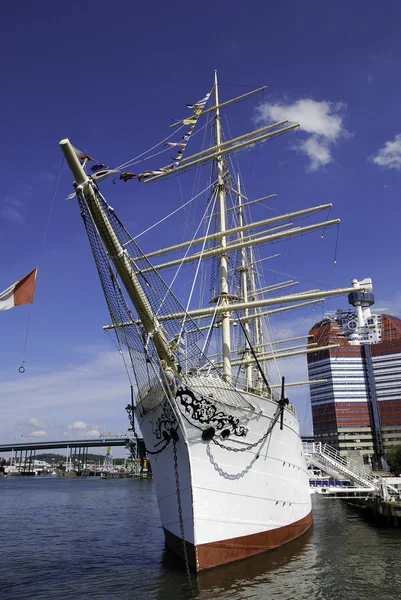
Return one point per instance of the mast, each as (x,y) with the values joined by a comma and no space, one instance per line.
(244,289)
(258,324)
(254,225)
(225,318)
(117,253)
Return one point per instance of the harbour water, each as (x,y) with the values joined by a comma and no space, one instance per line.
(101,539)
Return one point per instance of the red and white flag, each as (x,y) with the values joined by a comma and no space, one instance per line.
(21,292)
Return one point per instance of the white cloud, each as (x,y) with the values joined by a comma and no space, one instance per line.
(13,202)
(46,176)
(72,393)
(36,423)
(318,118)
(93,433)
(390,306)
(11,210)
(318,152)
(389,156)
(322,121)
(39,434)
(9,213)
(78,425)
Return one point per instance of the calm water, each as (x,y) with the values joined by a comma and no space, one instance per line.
(86,538)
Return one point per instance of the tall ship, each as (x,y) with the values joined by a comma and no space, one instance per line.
(221,435)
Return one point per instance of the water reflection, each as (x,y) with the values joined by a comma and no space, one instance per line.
(102,540)
(341,557)
(243,579)
(257,575)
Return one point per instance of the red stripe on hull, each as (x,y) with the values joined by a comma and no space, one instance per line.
(213,554)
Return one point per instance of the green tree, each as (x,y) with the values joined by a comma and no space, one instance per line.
(393,458)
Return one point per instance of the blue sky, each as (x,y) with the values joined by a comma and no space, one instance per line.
(111,77)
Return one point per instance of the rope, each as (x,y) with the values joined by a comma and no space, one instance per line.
(130,162)
(134,161)
(172,213)
(200,260)
(253,352)
(178,270)
(209,331)
(336,246)
(22,367)
(148,157)
(118,346)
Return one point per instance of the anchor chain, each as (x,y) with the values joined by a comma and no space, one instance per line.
(181,520)
(260,441)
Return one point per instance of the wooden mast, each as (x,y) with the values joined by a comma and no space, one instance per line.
(225,316)
(244,288)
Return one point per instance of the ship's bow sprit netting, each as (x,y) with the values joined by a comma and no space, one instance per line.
(185,341)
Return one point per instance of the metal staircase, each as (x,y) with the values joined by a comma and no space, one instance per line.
(331,461)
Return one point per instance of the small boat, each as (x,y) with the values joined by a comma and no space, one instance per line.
(109,470)
(112,474)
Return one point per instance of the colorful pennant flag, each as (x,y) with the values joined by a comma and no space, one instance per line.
(172,144)
(197,111)
(21,292)
(200,103)
(98,167)
(84,158)
(126,176)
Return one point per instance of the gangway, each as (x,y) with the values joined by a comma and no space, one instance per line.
(328,459)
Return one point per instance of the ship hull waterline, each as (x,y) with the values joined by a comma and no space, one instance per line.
(214,554)
(233,504)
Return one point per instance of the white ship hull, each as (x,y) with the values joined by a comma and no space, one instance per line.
(234,504)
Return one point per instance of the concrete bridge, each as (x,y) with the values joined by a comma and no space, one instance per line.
(24,453)
(121,440)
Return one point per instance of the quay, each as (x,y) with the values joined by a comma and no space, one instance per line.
(383,512)
(377,496)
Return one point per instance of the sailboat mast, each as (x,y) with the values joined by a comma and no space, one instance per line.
(225,318)
(117,253)
(258,322)
(244,289)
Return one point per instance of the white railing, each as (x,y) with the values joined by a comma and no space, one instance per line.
(329,459)
(330,456)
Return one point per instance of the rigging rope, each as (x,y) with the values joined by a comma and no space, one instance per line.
(200,258)
(171,214)
(130,162)
(181,263)
(253,353)
(209,331)
(118,346)
(22,367)
(135,160)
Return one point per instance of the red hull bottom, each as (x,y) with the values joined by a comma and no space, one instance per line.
(213,554)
